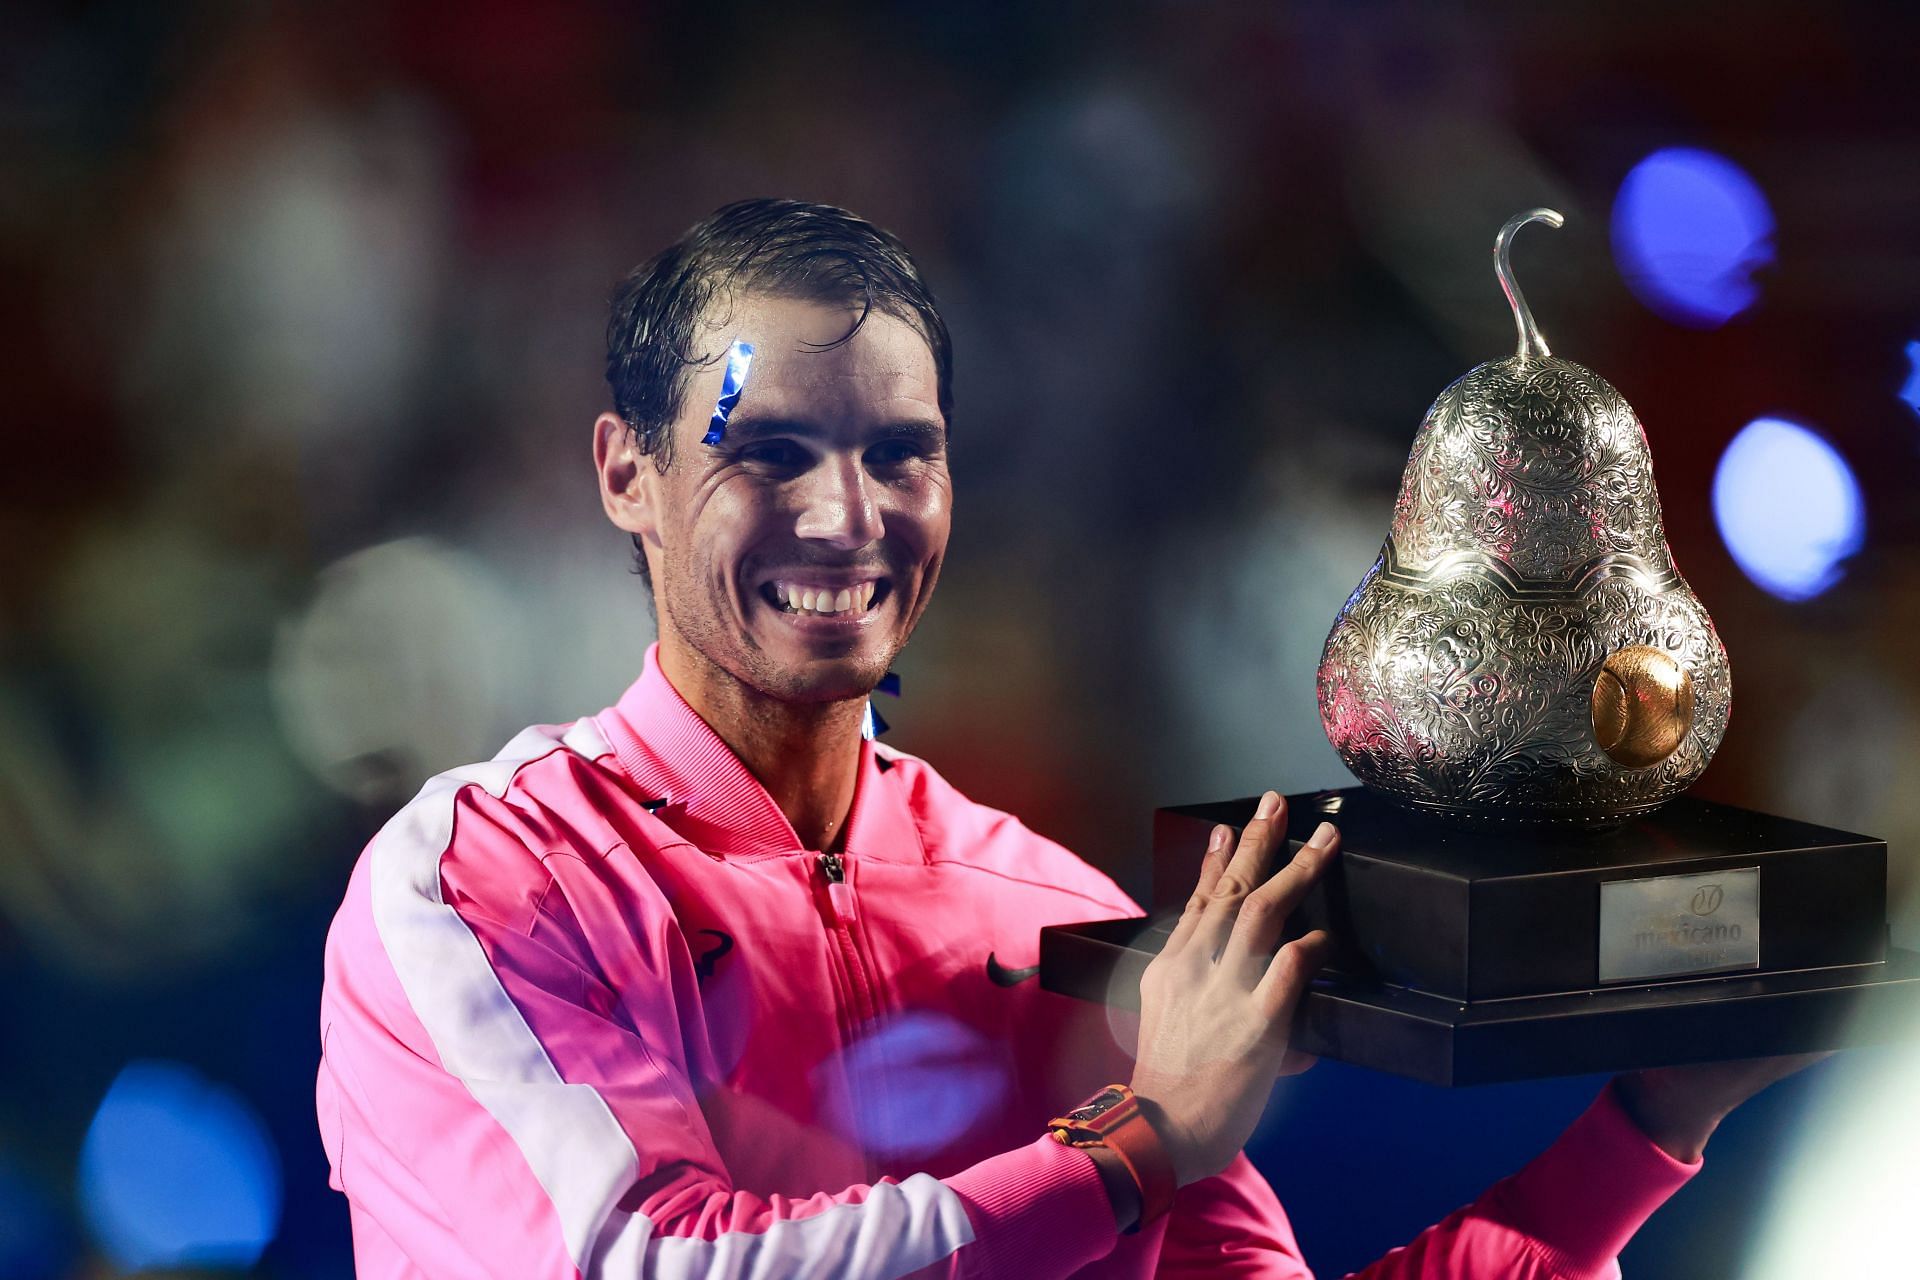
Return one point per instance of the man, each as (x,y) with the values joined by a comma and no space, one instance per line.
(710,984)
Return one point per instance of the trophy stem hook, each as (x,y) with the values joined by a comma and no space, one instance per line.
(1532,345)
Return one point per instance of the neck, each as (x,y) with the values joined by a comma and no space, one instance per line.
(807,755)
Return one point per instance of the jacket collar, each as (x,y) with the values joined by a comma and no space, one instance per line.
(692,781)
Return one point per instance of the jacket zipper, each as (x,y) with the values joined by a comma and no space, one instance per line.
(840,899)
(840,907)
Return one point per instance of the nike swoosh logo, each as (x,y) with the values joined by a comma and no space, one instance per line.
(703,967)
(1001,976)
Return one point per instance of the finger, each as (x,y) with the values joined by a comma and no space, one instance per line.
(1219,850)
(1244,873)
(1263,917)
(1294,1061)
(1212,863)
(1288,977)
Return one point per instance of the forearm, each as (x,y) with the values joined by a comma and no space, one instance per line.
(1045,1209)
(1585,1196)
(1676,1128)
(1565,1216)
(1680,1107)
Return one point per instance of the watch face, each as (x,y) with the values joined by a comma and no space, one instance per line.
(1098,1105)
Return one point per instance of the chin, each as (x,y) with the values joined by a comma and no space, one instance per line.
(799,660)
(812,661)
(817,680)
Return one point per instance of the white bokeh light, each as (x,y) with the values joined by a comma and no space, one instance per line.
(1788,508)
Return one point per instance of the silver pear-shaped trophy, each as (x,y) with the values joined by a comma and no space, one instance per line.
(1524,650)
(1524,659)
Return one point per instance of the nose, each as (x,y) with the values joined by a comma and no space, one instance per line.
(837,506)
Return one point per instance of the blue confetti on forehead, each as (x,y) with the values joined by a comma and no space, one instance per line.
(732,383)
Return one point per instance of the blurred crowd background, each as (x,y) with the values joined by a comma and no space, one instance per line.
(303,339)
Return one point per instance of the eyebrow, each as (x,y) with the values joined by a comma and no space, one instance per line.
(928,434)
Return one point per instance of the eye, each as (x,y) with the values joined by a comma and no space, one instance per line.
(774,455)
(894,452)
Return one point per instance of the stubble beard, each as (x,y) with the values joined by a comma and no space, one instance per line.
(703,626)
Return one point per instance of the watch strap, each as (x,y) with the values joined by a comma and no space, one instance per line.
(1114,1119)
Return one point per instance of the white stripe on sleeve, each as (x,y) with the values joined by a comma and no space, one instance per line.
(570,1139)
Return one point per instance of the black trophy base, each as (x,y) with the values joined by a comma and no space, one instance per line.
(1447,1042)
(1699,933)
(1421,903)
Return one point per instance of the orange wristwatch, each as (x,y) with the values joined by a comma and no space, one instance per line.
(1112,1118)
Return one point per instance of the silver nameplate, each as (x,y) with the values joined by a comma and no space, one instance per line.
(1664,926)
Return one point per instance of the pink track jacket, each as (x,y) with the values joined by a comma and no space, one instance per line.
(591,1010)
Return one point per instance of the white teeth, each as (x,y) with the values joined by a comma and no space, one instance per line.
(824,602)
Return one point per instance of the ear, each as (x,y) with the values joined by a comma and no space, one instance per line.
(629,482)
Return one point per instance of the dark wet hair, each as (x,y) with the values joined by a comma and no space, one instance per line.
(782,247)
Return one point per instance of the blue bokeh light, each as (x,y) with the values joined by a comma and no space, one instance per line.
(1910,391)
(178,1171)
(923,1080)
(1788,507)
(1690,229)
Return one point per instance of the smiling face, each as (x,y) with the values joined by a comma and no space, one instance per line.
(797,554)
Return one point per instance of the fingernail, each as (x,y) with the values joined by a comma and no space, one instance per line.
(1269,805)
(1218,840)
(1322,836)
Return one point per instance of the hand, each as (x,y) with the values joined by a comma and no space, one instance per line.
(1680,1107)
(1216,1005)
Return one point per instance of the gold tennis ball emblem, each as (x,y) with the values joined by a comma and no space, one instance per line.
(1642,706)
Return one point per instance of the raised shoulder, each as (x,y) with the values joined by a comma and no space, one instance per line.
(958,830)
(476,838)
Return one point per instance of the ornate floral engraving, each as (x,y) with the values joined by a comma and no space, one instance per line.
(1527,545)
(1543,446)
